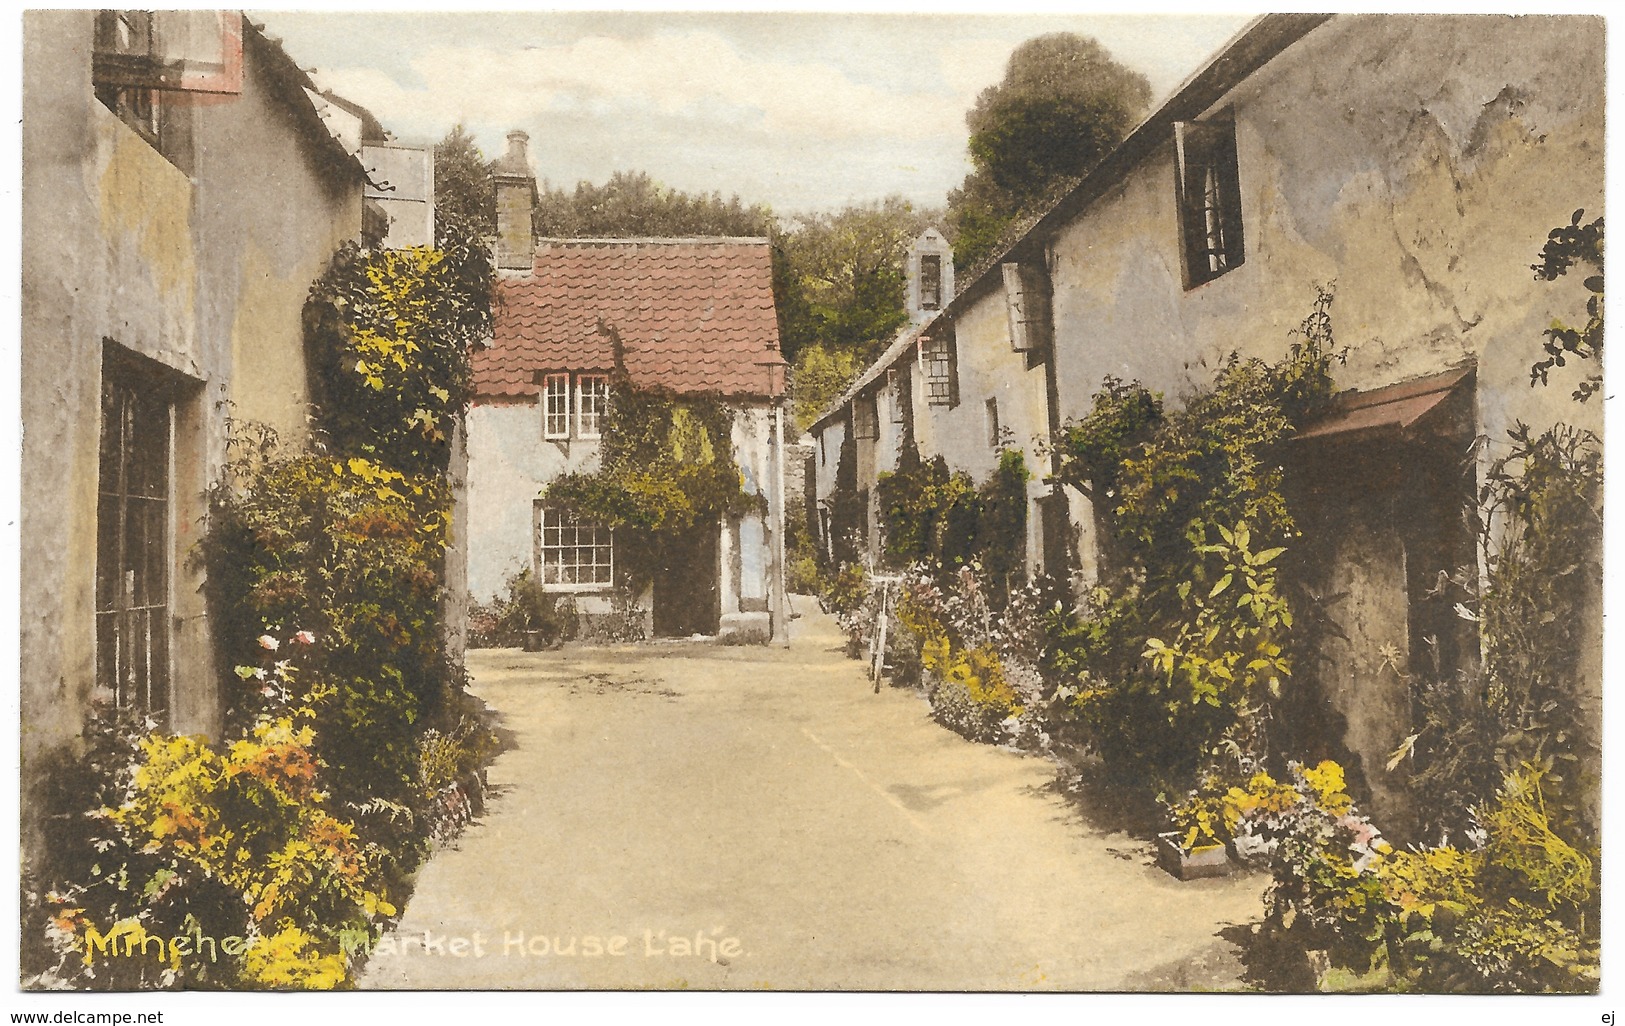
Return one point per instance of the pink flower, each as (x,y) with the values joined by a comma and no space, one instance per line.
(268,643)
(305,638)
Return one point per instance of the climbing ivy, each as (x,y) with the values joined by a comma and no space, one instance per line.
(666,467)
(1179,652)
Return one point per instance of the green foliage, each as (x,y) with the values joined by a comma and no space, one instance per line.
(527,608)
(848,519)
(1572,244)
(1539,521)
(846,277)
(388,335)
(1094,450)
(1178,656)
(1515,912)
(818,376)
(930,516)
(351,552)
(666,468)
(1062,105)
(633,205)
(160,838)
(464,191)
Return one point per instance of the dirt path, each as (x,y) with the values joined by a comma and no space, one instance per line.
(686,815)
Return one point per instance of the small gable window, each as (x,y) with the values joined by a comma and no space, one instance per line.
(1209,199)
(930,281)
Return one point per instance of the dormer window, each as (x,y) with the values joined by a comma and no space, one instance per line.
(556,407)
(930,281)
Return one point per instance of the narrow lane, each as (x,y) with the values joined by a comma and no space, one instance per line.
(749,818)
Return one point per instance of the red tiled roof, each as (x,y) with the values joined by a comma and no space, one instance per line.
(694,315)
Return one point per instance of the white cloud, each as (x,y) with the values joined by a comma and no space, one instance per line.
(676,75)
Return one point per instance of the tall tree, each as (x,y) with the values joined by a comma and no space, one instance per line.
(843,293)
(1062,105)
(464,193)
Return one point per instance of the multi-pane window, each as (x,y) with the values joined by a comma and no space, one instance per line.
(573,553)
(930,281)
(592,398)
(937,356)
(133,545)
(125,55)
(556,406)
(1209,199)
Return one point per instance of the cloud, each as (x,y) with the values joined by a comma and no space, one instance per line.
(688,75)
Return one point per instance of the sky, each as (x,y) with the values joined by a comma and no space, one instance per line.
(803,112)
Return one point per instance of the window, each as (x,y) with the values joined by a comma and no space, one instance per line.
(992,414)
(555,406)
(865,419)
(930,281)
(573,555)
(592,398)
(133,540)
(125,55)
(937,356)
(1209,199)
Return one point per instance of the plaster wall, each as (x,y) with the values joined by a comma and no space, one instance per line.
(204,275)
(509,464)
(1417,162)
(988,369)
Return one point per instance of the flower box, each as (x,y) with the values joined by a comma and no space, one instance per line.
(1201,861)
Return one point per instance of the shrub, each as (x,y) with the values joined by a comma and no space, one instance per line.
(236,844)
(1515,913)
(526,607)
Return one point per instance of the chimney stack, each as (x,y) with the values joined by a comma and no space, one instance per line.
(930,275)
(516,192)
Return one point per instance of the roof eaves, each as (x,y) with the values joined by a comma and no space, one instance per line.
(1258,43)
(901,343)
(297,88)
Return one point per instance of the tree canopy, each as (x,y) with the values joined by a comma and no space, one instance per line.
(1062,105)
(633,205)
(464,193)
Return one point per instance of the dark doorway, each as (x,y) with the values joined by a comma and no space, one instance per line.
(685,585)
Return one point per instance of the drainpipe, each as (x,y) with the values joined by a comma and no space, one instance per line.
(780,600)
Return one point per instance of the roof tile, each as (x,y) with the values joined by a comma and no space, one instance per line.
(695,315)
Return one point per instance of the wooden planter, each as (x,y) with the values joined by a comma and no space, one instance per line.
(1201,861)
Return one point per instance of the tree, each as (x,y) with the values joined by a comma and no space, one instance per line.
(464,193)
(818,375)
(633,205)
(1063,104)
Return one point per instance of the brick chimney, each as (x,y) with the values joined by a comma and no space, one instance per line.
(516,191)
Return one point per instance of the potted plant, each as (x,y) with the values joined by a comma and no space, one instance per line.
(1195,848)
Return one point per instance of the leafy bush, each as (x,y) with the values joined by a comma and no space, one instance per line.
(1175,659)
(236,849)
(1539,521)
(1514,913)
(527,607)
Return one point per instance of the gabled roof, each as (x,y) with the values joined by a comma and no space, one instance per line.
(1258,43)
(693,315)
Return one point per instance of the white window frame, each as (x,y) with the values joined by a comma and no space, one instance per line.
(601,540)
(601,395)
(555,407)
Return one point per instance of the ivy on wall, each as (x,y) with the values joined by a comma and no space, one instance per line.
(666,468)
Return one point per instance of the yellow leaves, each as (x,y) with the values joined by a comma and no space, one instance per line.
(290,958)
